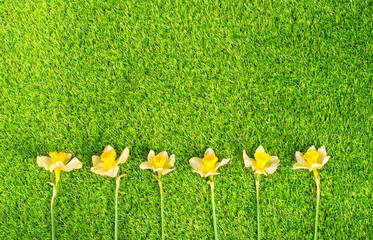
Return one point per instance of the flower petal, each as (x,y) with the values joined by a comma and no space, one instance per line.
(170,162)
(145,165)
(167,171)
(73,164)
(312,148)
(97,162)
(249,162)
(197,163)
(100,170)
(315,165)
(260,149)
(108,148)
(299,166)
(299,158)
(219,164)
(124,156)
(44,161)
(322,152)
(56,165)
(325,160)
(274,161)
(202,173)
(209,151)
(112,171)
(164,153)
(68,157)
(150,156)
(211,173)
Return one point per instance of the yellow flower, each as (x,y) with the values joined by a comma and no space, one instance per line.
(160,163)
(312,159)
(208,165)
(58,161)
(263,162)
(107,164)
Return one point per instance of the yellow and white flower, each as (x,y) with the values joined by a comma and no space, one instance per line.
(262,163)
(58,161)
(107,164)
(160,163)
(312,159)
(208,165)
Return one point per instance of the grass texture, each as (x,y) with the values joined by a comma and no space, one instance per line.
(183,76)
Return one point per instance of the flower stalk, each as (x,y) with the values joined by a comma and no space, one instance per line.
(317,180)
(52,201)
(213,208)
(116,205)
(256,176)
(161,192)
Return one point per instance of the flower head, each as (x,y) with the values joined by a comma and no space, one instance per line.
(263,163)
(208,164)
(160,163)
(58,161)
(107,164)
(312,159)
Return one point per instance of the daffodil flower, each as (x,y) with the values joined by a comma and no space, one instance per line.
(160,163)
(107,164)
(58,161)
(262,163)
(313,160)
(208,164)
(206,167)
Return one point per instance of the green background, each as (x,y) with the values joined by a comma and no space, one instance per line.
(183,76)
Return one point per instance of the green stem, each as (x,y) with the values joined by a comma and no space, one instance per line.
(317,205)
(257,203)
(213,210)
(52,222)
(116,205)
(162,214)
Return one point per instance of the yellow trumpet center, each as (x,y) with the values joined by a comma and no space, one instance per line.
(261,159)
(58,157)
(210,161)
(109,158)
(159,161)
(312,157)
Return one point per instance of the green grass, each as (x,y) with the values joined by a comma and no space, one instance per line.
(183,76)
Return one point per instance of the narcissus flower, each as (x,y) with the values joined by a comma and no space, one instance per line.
(312,159)
(160,163)
(107,164)
(58,161)
(208,165)
(262,163)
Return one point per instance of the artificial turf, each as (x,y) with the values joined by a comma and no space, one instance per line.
(183,76)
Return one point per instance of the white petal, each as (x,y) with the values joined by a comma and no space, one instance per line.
(164,153)
(124,156)
(150,156)
(108,148)
(312,148)
(97,162)
(299,158)
(325,160)
(219,164)
(322,152)
(196,163)
(99,170)
(68,157)
(199,172)
(315,165)
(247,160)
(209,151)
(170,162)
(272,168)
(299,165)
(55,165)
(112,171)
(272,162)
(210,173)
(44,162)
(145,165)
(167,171)
(73,164)
(260,149)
